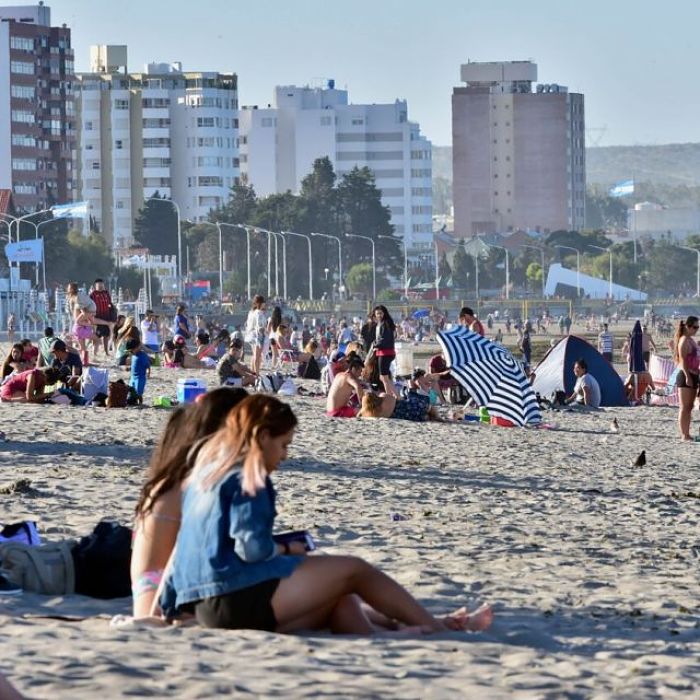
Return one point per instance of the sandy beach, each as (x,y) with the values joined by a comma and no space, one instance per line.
(591,564)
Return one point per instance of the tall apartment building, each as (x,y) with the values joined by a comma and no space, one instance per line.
(518,155)
(279,144)
(37,133)
(164,130)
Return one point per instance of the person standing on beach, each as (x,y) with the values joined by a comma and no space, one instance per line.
(686,355)
(11,328)
(255,330)
(470,321)
(229,568)
(104,311)
(384,346)
(181,325)
(648,345)
(605,343)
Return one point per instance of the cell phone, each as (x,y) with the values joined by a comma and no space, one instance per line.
(303,536)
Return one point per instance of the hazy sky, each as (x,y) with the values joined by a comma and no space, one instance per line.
(636,62)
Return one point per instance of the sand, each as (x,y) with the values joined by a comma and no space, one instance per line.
(591,564)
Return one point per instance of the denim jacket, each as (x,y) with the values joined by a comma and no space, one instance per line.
(224,544)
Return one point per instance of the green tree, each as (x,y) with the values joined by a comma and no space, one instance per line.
(359,279)
(318,191)
(88,257)
(155,226)
(444,269)
(462,266)
(534,273)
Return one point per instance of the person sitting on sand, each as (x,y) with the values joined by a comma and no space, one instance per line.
(170,355)
(227,566)
(414,407)
(586,390)
(45,357)
(158,510)
(231,371)
(427,385)
(345,387)
(67,361)
(29,386)
(204,348)
(14,362)
(30,353)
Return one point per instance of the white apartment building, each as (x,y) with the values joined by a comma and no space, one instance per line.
(279,144)
(164,130)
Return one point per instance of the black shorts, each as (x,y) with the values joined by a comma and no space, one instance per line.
(384,363)
(247,609)
(694,381)
(645,356)
(102,331)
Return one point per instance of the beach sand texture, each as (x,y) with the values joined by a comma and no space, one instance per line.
(591,564)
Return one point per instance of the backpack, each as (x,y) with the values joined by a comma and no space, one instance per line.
(45,569)
(117,394)
(311,370)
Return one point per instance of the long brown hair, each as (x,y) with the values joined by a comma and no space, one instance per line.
(680,333)
(6,368)
(371,405)
(239,439)
(173,458)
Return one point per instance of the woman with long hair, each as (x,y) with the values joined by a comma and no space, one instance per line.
(230,569)
(159,506)
(686,354)
(384,341)
(255,327)
(14,362)
(273,335)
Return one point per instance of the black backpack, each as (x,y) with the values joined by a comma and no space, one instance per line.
(312,370)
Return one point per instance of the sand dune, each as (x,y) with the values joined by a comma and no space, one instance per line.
(591,564)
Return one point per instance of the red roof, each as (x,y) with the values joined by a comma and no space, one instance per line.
(6,205)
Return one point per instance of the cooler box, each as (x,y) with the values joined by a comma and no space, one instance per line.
(403,360)
(189,389)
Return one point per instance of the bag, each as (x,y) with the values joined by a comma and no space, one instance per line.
(117,394)
(269,383)
(24,532)
(312,370)
(102,560)
(46,569)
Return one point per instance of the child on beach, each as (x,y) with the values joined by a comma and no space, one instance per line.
(140,366)
(82,330)
(229,569)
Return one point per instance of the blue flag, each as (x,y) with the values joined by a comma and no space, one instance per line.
(73,210)
(622,188)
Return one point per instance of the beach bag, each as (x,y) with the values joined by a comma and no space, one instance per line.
(312,370)
(93,382)
(117,394)
(288,388)
(102,560)
(24,532)
(269,383)
(46,569)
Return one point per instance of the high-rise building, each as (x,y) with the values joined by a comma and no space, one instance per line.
(279,144)
(165,130)
(518,154)
(37,133)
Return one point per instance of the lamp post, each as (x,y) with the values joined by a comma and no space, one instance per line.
(374,261)
(179,238)
(405,261)
(437,273)
(340,256)
(578,267)
(697,283)
(536,247)
(500,247)
(269,257)
(284,261)
(247,236)
(610,277)
(311,270)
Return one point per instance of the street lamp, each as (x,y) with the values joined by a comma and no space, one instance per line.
(578,267)
(340,257)
(269,257)
(374,261)
(179,238)
(610,280)
(311,270)
(697,284)
(500,247)
(405,261)
(536,247)
(221,255)
(284,262)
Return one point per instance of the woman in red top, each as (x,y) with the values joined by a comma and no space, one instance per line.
(384,338)
(29,386)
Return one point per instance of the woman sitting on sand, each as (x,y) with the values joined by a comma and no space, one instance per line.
(14,362)
(415,407)
(158,509)
(229,568)
(686,354)
(29,386)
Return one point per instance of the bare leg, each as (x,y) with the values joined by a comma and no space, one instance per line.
(321,582)
(345,617)
(687,398)
(389,386)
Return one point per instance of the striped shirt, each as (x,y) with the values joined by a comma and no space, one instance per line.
(605,342)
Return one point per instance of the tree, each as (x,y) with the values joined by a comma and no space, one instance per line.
(359,279)
(534,273)
(444,269)
(88,257)
(155,226)
(318,192)
(461,267)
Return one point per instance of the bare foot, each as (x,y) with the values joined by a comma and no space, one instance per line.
(463,621)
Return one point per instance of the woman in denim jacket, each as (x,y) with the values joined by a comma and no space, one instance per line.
(229,570)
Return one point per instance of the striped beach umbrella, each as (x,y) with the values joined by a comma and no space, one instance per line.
(491,375)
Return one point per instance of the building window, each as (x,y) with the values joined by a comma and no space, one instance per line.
(156,123)
(121,104)
(21,43)
(23,140)
(118,145)
(22,116)
(205,122)
(210,181)
(22,67)
(23,164)
(23,92)
(358,122)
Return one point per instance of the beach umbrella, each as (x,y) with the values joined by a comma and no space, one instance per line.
(421,313)
(491,375)
(636,360)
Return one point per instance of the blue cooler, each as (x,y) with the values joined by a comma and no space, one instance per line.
(189,389)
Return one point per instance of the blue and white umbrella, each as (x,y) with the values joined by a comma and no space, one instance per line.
(491,375)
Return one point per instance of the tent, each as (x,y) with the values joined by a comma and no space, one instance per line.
(556,371)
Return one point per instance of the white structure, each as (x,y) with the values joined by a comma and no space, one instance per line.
(279,144)
(593,287)
(163,130)
(650,220)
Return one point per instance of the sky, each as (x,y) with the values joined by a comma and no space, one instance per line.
(636,62)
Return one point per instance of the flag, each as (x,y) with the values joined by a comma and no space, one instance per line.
(622,188)
(73,210)
(25,251)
